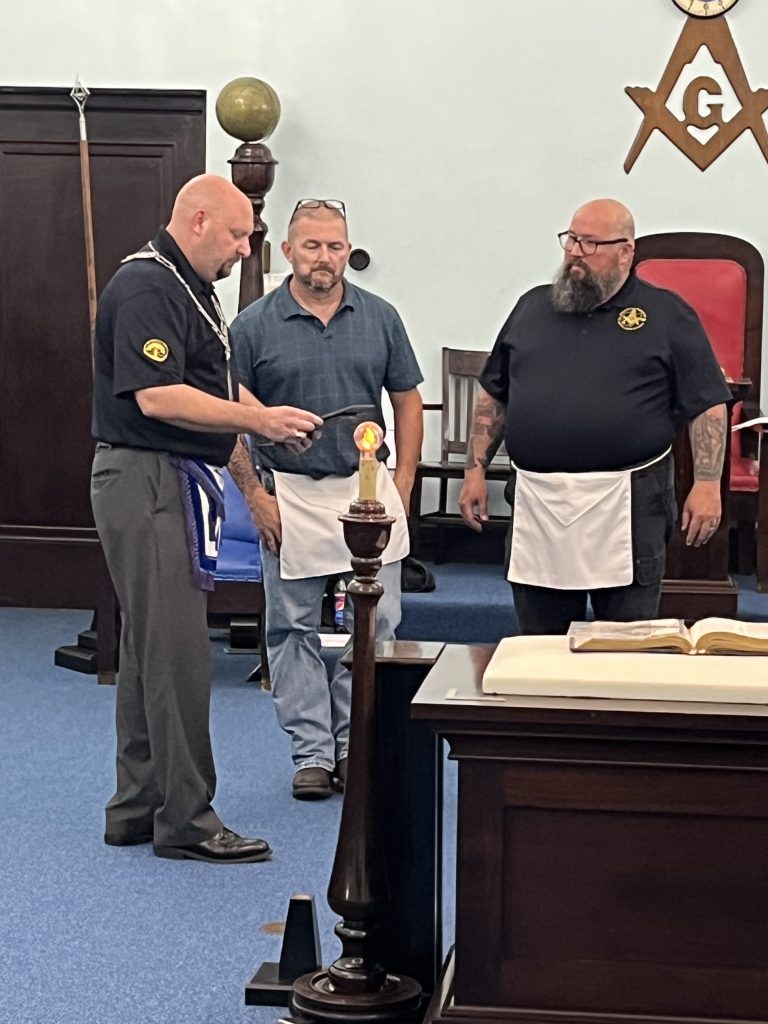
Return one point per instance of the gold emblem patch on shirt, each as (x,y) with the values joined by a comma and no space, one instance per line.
(156,350)
(632,319)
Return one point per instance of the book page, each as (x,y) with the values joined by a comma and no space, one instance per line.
(632,633)
(733,627)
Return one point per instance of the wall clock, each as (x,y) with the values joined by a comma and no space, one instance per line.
(705,8)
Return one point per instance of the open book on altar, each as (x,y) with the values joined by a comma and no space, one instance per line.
(543,666)
(707,636)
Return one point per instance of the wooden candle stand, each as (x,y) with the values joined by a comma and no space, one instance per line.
(357,986)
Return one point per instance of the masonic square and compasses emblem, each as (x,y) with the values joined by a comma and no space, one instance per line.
(701,111)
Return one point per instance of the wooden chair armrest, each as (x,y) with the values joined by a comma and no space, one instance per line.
(761,531)
(751,408)
(749,438)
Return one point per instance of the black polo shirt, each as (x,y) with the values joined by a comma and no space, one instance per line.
(603,390)
(149,333)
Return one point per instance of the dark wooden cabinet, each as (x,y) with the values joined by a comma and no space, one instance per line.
(610,856)
(144,144)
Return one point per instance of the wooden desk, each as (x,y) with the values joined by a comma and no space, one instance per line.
(612,856)
(408,773)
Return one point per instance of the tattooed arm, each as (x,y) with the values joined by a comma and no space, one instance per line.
(702,511)
(485,437)
(263,506)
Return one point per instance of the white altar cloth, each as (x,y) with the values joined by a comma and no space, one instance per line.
(543,666)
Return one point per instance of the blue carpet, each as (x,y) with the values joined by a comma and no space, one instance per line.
(753,607)
(473,604)
(91,934)
(470,604)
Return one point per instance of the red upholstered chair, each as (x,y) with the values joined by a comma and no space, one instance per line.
(722,278)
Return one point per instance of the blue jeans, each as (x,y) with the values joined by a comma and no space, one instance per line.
(313,712)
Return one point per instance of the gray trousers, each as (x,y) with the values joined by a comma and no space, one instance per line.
(165,773)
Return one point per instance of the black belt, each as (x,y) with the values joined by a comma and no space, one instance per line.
(102,446)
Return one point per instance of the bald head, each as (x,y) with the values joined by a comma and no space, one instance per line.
(211,222)
(609,217)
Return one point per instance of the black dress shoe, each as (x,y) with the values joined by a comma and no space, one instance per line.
(339,780)
(135,838)
(312,784)
(226,847)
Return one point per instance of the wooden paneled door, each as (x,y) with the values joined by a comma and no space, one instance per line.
(144,144)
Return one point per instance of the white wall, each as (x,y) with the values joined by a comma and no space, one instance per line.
(460,133)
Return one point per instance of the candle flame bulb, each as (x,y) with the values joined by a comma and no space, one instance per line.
(368,437)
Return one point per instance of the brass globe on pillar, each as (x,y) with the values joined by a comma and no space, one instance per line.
(357,987)
(249,109)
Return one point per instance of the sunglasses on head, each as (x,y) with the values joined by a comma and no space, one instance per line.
(317,204)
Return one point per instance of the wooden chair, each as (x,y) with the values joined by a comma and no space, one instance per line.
(460,370)
(721,277)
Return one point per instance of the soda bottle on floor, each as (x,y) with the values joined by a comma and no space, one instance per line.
(339,603)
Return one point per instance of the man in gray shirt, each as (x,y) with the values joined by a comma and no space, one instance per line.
(326,344)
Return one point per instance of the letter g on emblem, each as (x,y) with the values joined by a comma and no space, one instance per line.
(156,350)
(632,319)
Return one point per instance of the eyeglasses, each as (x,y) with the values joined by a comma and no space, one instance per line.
(588,246)
(317,204)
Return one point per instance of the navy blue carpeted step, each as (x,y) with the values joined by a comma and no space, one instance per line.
(473,604)
(470,604)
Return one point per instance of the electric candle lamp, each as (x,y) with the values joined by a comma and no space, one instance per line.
(368,438)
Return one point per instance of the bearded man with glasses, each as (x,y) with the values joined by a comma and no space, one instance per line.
(334,345)
(586,384)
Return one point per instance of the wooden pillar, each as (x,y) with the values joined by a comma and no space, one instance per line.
(249,109)
(253,172)
(357,986)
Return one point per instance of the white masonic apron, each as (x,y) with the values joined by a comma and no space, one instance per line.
(313,538)
(573,531)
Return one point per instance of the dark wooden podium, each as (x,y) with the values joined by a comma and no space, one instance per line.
(612,856)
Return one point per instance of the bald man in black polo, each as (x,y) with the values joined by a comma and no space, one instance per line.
(586,384)
(167,409)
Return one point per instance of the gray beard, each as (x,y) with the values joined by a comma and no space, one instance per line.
(581,294)
(317,286)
